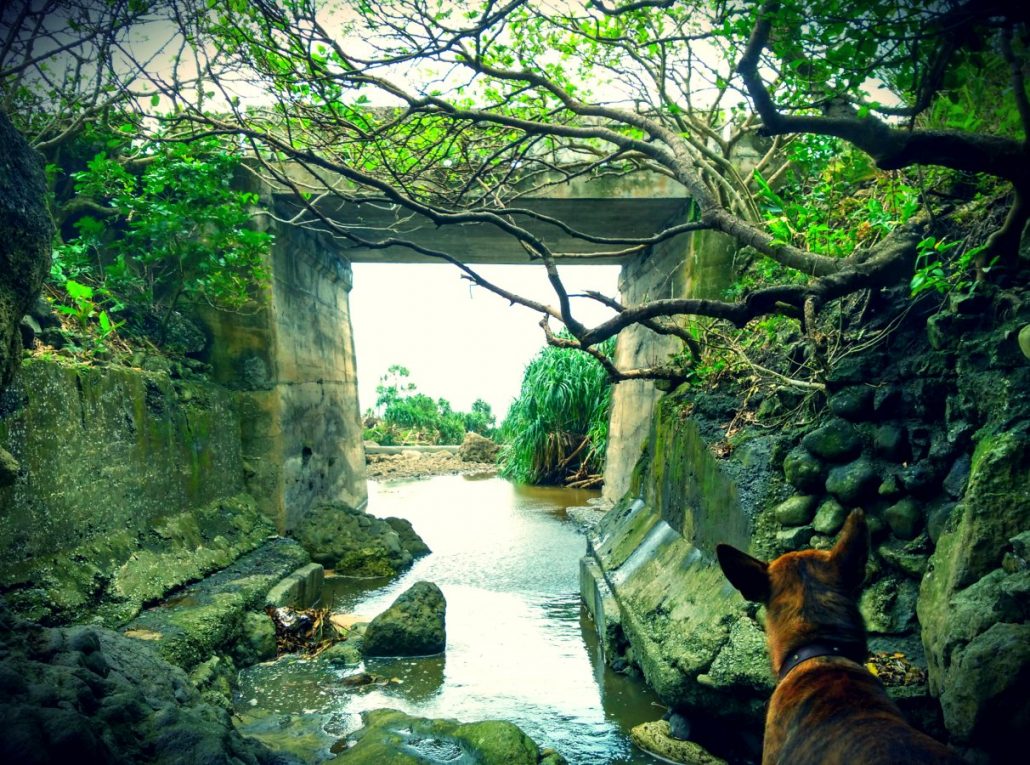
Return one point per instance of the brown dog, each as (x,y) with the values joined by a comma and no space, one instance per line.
(827,707)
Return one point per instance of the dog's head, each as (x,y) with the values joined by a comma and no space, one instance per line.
(809,595)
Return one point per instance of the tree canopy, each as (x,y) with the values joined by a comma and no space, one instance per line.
(871,125)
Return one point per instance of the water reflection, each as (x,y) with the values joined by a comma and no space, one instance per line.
(518,645)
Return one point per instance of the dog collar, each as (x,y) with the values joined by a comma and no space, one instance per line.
(810,651)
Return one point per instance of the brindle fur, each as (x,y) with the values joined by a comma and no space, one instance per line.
(827,709)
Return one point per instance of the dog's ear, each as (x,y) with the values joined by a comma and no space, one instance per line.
(747,574)
(852,550)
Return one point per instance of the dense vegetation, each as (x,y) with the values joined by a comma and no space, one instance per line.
(404,416)
(845,149)
(556,431)
(143,235)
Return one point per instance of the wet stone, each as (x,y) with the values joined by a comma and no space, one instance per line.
(829,517)
(890,442)
(910,563)
(905,518)
(803,470)
(854,403)
(794,538)
(920,480)
(837,441)
(853,482)
(414,625)
(890,488)
(796,511)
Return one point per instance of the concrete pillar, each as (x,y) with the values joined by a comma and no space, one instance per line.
(290,356)
(693,265)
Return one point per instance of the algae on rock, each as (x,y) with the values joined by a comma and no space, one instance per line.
(391,736)
(352,542)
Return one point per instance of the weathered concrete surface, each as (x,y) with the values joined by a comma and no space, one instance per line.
(208,617)
(292,360)
(626,206)
(655,591)
(699,265)
(131,484)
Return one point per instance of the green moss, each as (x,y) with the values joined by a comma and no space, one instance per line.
(392,736)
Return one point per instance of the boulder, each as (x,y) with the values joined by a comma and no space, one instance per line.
(410,540)
(355,543)
(796,511)
(414,625)
(987,700)
(853,482)
(905,518)
(803,470)
(390,736)
(477,448)
(891,442)
(836,441)
(829,517)
(853,403)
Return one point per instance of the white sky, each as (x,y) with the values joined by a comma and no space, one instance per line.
(459,342)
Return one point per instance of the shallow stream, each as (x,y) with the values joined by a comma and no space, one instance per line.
(519,645)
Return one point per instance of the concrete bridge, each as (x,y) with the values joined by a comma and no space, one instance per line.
(622,206)
(292,359)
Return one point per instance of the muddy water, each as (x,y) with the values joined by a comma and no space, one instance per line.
(519,646)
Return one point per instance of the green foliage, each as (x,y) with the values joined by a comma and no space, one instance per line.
(86,307)
(177,230)
(408,417)
(557,429)
(937,271)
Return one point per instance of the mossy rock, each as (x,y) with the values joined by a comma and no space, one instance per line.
(853,482)
(829,517)
(905,518)
(836,441)
(854,403)
(390,736)
(352,542)
(891,442)
(654,737)
(796,511)
(803,470)
(413,625)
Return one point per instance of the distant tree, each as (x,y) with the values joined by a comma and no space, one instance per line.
(480,419)
(404,415)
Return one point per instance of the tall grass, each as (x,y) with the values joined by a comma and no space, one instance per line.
(557,430)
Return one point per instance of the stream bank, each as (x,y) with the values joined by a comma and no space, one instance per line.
(929,432)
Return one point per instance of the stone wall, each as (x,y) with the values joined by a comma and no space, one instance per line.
(291,358)
(130,483)
(928,432)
